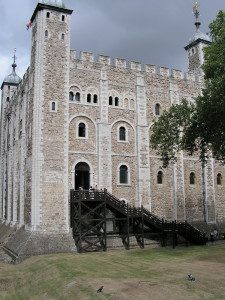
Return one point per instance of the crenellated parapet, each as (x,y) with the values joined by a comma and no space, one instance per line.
(122,63)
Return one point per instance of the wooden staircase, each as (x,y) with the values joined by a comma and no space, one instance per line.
(89,219)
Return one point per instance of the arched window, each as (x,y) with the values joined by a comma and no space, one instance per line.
(77,96)
(95,98)
(110,100)
(219,179)
(82,130)
(53,106)
(160,177)
(122,134)
(46,33)
(89,98)
(157,109)
(116,101)
(63,36)
(192,178)
(123,174)
(126,103)
(48,15)
(131,103)
(63,18)
(71,96)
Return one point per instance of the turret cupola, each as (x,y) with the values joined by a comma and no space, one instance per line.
(56,3)
(12,79)
(196,45)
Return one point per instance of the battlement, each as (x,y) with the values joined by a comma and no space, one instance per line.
(122,63)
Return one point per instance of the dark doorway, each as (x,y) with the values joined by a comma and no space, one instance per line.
(82,176)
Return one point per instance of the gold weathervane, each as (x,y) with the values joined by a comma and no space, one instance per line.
(14,56)
(196,11)
(196,8)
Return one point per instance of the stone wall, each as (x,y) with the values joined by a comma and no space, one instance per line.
(40,146)
(138,88)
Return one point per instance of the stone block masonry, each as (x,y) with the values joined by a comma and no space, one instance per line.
(116,101)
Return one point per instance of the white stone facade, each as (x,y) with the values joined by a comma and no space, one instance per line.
(42,143)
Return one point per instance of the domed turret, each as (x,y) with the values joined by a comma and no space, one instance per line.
(196,45)
(13,78)
(199,36)
(57,3)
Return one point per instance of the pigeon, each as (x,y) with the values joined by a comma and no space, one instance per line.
(100,289)
(190,277)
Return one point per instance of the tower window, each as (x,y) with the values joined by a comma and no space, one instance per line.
(89,98)
(160,177)
(95,98)
(219,179)
(71,96)
(77,97)
(123,174)
(116,101)
(192,178)
(63,18)
(122,134)
(82,130)
(46,33)
(48,15)
(157,109)
(7,99)
(110,100)
(63,36)
(53,106)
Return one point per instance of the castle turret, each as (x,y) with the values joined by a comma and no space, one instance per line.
(49,72)
(9,88)
(12,79)
(196,45)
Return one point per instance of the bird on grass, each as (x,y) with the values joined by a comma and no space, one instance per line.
(190,277)
(100,289)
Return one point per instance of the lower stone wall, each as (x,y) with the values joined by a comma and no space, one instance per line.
(6,231)
(25,243)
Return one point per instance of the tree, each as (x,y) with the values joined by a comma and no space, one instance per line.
(200,127)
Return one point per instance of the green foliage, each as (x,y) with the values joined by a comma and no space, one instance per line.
(203,125)
(167,132)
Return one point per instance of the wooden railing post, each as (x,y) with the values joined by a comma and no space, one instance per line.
(128,228)
(173,233)
(163,233)
(186,234)
(105,233)
(142,227)
(71,208)
(80,219)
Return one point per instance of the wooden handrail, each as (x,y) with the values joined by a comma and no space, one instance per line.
(150,220)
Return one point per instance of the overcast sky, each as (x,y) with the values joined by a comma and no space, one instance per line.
(149,31)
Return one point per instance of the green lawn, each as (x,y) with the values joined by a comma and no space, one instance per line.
(135,274)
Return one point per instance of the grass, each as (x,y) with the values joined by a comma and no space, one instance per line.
(162,271)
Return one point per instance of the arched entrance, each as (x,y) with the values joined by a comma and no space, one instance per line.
(82,176)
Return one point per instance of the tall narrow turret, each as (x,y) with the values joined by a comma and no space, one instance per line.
(196,45)
(49,70)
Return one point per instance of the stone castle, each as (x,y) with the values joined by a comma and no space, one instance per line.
(74,121)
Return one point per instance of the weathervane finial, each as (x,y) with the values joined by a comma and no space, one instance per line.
(14,60)
(14,56)
(196,11)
